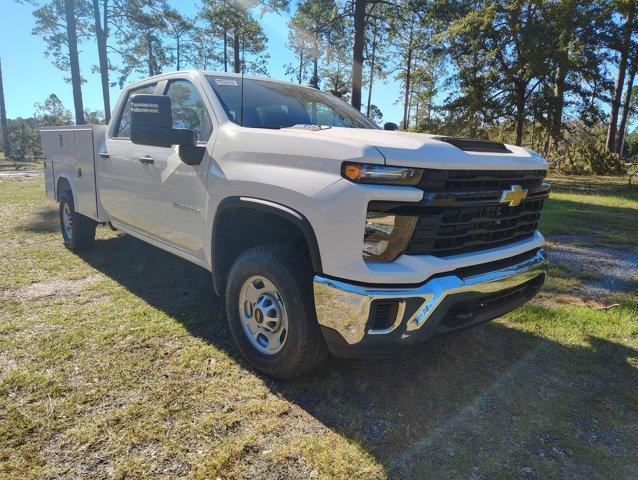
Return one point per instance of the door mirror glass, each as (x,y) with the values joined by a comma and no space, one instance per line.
(390,126)
(152,123)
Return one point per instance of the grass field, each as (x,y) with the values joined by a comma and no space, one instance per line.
(118,363)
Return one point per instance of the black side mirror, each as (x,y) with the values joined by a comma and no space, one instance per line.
(152,123)
(390,126)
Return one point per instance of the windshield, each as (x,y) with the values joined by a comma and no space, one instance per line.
(279,105)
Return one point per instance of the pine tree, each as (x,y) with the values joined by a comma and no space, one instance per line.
(63,24)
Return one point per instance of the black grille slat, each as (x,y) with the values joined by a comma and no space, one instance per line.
(448,217)
(476,231)
(461,211)
(482,179)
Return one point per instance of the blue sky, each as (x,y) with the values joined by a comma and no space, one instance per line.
(30,77)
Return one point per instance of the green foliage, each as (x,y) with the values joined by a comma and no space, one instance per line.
(631,145)
(375,114)
(316,36)
(583,152)
(141,33)
(52,112)
(239,34)
(94,117)
(24,133)
(50,24)
(536,73)
(25,140)
(181,30)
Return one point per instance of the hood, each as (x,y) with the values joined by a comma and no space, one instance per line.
(422,150)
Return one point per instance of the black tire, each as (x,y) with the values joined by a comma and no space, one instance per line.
(82,230)
(304,347)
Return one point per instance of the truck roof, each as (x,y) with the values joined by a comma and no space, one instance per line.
(214,73)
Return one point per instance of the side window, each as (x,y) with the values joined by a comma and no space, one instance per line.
(189,110)
(124,126)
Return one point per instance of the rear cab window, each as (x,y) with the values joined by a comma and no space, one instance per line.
(188,109)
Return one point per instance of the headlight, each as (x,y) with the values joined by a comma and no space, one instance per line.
(380,174)
(386,236)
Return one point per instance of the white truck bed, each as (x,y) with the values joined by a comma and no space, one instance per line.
(70,152)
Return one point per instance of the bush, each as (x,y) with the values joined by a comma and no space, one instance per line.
(25,140)
(582,152)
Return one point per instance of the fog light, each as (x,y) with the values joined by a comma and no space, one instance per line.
(386,236)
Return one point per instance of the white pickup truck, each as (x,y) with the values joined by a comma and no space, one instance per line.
(324,232)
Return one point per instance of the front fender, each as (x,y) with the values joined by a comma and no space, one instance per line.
(289,214)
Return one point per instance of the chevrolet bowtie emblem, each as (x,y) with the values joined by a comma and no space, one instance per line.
(514,196)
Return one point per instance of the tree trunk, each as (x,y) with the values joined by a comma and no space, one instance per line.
(300,76)
(406,96)
(149,51)
(357,51)
(622,129)
(178,53)
(620,81)
(519,115)
(101,32)
(408,77)
(236,52)
(76,79)
(3,120)
(372,62)
(314,81)
(225,50)
(556,120)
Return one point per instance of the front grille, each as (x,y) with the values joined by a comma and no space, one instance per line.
(462,212)
(436,180)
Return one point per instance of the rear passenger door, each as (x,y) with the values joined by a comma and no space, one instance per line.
(118,166)
(173,194)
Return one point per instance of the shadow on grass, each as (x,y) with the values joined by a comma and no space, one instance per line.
(43,221)
(485,402)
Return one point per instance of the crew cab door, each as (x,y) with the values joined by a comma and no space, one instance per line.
(118,166)
(172,193)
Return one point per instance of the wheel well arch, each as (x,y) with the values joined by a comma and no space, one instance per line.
(64,184)
(241,223)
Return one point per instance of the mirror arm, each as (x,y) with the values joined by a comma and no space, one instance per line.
(191,155)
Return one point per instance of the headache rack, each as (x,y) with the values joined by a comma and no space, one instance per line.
(462,210)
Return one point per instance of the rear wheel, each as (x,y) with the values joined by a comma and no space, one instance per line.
(271,313)
(78,231)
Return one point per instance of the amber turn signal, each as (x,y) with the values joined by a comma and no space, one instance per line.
(380,174)
(352,171)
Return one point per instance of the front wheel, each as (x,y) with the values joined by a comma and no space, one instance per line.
(78,231)
(271,312)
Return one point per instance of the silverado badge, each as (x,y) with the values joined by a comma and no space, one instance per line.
(514,196)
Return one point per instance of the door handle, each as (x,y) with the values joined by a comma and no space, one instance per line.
(103,155)
(147,159)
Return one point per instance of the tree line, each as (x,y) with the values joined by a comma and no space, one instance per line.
(555,75)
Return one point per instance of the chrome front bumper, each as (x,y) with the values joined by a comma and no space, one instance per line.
(345,307)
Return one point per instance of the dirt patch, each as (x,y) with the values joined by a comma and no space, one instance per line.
(603,271)
(21,174)
(55,288)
